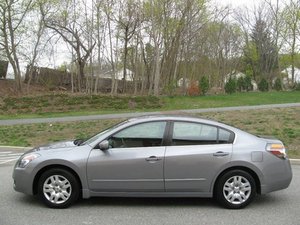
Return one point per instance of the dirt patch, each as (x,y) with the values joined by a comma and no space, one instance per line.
(8,89)
(67,103)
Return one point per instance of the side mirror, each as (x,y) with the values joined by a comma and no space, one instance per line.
(104,145)
(78,142)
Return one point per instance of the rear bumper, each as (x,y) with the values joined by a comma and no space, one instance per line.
(278,181)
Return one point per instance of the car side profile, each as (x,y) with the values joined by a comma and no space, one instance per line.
(157,156)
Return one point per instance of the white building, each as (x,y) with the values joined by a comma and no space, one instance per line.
(288,71)
(183,82)
(119,75)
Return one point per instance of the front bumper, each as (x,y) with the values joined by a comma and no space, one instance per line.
(23,180)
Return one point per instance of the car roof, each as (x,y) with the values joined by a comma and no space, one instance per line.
(175,117)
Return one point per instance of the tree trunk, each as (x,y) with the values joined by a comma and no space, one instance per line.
(157,71)
(125,62)
(293,55)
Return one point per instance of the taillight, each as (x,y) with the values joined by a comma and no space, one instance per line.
(277,150)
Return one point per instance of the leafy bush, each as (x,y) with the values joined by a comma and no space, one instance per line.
(230,86)
(297,86)
(278,84)
(170,88)
(204,85)
(263,85)
(244,83)
(241,84)
(247,83)
(193,89)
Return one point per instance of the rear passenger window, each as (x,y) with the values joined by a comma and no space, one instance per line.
(185,133)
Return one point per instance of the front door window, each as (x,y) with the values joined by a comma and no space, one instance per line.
(141,135)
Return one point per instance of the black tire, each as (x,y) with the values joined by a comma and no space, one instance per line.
(59,184)
(235,189)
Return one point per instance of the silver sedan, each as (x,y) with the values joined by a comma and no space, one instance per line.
(157,156)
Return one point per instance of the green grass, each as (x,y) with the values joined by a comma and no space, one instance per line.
(237,99)
(37,134)
(282,123)
(57,105)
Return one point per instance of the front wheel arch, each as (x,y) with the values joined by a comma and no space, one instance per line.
(44,169)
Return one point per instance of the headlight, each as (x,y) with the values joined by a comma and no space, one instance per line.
(23,162)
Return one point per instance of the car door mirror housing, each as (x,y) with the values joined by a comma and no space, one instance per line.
(78,142)
(104,145)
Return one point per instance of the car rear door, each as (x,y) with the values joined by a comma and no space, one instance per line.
(133,163)
(197,153)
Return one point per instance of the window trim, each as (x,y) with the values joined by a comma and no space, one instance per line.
(231,137)
(164,137)
(169,128)
(171,131)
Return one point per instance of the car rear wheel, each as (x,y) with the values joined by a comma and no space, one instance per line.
(58,188)
(235,189)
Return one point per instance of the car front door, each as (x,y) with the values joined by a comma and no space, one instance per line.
(133,163)
(196,154)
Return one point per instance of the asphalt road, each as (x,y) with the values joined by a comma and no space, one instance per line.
(278,208)
(128,115)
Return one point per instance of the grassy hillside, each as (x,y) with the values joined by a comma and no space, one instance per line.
(52,105)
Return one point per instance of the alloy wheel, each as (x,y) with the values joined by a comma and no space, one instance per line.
(57,189)
(237,190)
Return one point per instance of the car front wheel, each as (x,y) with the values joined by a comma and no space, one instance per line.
(58,188)
(235,189)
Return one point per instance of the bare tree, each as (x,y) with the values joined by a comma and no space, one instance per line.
(100,35)
(291,15)
(108,8)
(127,22)
(154,19)
(12,14)
(65,22)
(35,30)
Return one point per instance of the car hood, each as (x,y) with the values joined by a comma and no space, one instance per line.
(56,145)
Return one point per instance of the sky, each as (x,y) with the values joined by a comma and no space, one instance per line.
(237,3)
(241,3)
(62,56)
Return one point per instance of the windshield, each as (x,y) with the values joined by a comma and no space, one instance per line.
(98,135)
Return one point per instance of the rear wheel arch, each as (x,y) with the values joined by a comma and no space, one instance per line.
(44,169)
(246,169)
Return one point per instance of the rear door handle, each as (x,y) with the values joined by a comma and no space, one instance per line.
(152,159)
(220,154)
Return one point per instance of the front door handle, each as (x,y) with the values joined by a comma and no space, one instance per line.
(220,154)
(152,159)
